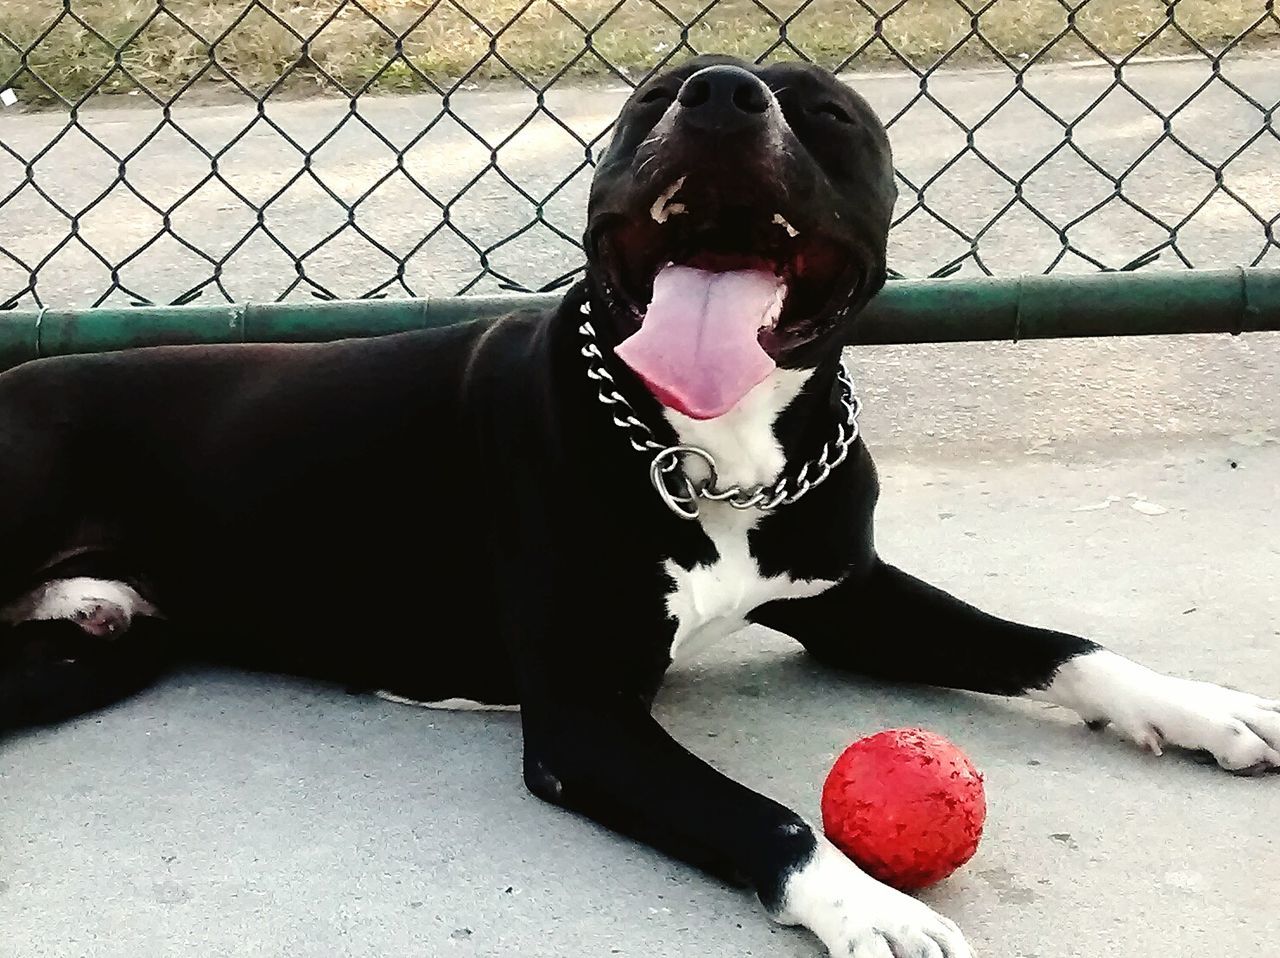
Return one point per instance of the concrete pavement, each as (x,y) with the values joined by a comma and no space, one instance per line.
(225,815)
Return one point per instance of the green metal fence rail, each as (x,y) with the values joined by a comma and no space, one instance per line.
(1029,307)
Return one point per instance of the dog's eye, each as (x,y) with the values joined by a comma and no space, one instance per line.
(833,110)
(658,95)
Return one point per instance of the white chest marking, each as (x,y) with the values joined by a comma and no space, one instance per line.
(711,601)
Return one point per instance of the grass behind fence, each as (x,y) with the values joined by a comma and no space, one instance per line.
(200,41)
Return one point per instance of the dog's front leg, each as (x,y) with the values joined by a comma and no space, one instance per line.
(615,764)
(892,625)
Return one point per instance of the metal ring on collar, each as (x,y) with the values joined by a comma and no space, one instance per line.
(681,494)
(662,470)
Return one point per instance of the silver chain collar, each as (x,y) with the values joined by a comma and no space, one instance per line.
(673,485)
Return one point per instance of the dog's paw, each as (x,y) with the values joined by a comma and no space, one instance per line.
(894,930)
(1240,731)
(856,916)
(101,618)
(102,608)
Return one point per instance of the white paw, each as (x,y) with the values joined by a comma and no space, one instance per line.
(856,916)
(102,607)
(1241,731)
(893,929)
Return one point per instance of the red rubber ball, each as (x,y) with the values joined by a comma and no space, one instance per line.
(906,805)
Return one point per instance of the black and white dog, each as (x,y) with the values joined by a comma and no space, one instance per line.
(565,501)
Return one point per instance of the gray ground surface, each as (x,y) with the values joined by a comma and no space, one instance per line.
(228,815)
(231,815)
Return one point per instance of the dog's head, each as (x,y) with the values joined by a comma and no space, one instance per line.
(737,223)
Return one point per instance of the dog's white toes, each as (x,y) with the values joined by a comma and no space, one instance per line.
(1249,754)
(1240,731)
(934,949)
(103,608)
(915,946)
(856,916)
(1265,725)
(951,943)
(911,944)
(1237,730)
(1242,734)
(919,933)
(868,946)
(1259,748)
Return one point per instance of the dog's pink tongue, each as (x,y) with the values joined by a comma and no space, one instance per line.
(698,349)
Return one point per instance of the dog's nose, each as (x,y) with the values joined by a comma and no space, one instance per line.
(723,99)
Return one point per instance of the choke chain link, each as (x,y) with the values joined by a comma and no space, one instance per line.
(666,472)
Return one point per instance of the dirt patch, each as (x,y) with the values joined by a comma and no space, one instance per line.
(257,47)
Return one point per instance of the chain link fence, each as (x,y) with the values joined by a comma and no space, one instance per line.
(162,150)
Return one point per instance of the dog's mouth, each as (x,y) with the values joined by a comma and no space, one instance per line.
(714,295)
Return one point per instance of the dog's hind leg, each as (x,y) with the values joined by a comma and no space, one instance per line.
(75,645)
(100,607)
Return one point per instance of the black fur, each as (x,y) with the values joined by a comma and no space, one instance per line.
(451,513)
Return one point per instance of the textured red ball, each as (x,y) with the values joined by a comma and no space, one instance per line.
(906,805)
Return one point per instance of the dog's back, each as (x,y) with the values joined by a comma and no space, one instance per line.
(326,474)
